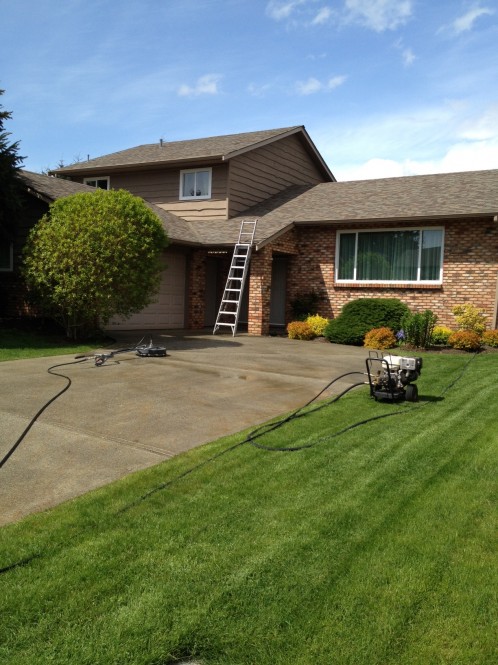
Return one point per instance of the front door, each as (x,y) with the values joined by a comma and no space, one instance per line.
(278,290)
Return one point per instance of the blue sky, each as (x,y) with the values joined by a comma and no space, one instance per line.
(384,87)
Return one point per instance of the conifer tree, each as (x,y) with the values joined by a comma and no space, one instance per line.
(10,184)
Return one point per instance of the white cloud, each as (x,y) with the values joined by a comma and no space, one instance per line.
(313,85)
(309,87)
(408,56)
(258,90)
(322,17)
(461,139)
(335,82)
(282,9)
(466,22)
(379,15)
(205,85)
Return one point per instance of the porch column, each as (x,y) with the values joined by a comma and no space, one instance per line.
(259,292)
(196,290)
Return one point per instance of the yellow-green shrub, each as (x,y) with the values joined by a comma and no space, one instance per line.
(380,338)
(490,337)
(317,324)
(300,330)
(466,340)
(440,335)
(469,317)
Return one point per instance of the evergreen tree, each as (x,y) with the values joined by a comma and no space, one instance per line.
(10,185)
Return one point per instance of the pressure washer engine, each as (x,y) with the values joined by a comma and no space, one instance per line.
(391,377)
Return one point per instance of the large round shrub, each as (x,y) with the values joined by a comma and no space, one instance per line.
(94,256)
(360,316)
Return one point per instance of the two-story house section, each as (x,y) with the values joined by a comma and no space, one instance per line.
(201,185)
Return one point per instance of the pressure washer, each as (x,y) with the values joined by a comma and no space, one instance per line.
(391,377)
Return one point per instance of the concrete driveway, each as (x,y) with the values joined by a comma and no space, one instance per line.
(134,412)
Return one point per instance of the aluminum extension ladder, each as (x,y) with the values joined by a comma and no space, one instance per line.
(228,314)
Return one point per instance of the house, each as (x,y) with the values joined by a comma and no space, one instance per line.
(431,241)
(38,192)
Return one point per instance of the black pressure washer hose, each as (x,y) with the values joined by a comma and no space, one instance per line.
(45,406)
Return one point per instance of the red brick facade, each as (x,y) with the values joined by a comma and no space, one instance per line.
(196,281)
(470,271)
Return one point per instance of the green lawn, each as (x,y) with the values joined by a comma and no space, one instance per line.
(17,344)
(377,546)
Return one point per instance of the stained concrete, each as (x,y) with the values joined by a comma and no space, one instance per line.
(134,412)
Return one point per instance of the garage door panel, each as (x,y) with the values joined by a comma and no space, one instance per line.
(168,308)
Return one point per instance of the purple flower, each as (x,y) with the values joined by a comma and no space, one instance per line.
(400,335)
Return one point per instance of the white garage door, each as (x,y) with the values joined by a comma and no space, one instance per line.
(168,310)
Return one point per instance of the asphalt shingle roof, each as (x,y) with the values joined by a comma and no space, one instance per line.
(439,196)
(52,188)
(180,151)
(49,189)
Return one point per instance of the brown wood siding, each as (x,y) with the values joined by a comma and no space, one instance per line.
(162,187)
(261,173)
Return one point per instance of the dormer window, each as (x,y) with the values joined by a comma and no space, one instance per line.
(99,183)
(195,184)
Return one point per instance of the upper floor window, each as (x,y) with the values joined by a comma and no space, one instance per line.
(195,184)
(6,256)
(404,255)
(100,183)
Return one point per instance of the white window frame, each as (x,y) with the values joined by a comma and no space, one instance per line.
(434,282)
(87,181)
(11,260)
(194,197)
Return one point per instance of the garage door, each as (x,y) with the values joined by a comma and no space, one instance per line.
(168,310)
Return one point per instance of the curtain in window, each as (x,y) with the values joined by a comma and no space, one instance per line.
(347,243)
(388,256)
(394,256)
(430,259)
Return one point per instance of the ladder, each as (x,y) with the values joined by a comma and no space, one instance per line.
(228,314)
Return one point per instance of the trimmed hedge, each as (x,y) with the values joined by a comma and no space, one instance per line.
(359,317)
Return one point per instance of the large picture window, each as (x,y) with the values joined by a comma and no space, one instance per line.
(405,255)
(195,184)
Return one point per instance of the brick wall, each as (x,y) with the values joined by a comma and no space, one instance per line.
(196,301)
(259,292)
(470,271)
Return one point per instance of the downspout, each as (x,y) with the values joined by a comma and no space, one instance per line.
(495,311)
